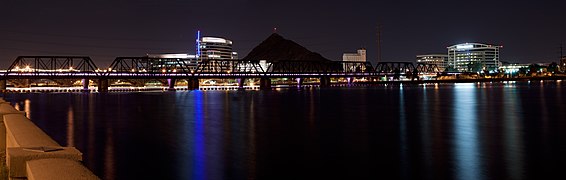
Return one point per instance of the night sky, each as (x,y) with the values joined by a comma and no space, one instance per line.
(530,31)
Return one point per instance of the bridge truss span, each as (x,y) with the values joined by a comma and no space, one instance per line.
(52,66)
(217,66)
(80,67)
(146,66)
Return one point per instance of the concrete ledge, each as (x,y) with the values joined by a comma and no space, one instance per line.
(6,109)
(16,158)
(21,132)
(57,169)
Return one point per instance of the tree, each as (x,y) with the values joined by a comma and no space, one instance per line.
(450,69)
(475,67)
(553,68)
(533,69)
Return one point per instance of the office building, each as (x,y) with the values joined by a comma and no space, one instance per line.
(440,60)
(358,56)
(473,57)
(215,48)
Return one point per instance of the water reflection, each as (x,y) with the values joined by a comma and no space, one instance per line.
(252,149)
(467,152)
(441,131)
(512,137)
(199,149)
(426,132)
(27,108)
(70,127)
(403,135)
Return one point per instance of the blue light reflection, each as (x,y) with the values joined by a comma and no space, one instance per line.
(199,149)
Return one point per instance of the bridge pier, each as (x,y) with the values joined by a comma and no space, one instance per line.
(192,84)
(350,80)
(265,84)
(325,82)
(102,85)
(171,84)
(241,83)
(3,84)
(85,84)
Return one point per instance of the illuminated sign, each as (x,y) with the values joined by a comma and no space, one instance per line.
(467,46)
(214,40)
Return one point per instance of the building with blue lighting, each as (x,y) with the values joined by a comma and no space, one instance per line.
(473,57)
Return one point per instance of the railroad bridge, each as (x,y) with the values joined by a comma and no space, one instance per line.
(64,70)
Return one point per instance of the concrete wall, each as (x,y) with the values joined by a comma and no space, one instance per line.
(43,169)
(30,151)
(5,109)
(21,132)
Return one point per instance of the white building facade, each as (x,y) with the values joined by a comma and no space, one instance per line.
(471,57)
(358,56)
(440,60)
(215,48)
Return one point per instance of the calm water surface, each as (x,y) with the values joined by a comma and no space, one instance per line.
(447,131)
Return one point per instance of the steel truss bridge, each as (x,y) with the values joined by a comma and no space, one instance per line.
(59,68)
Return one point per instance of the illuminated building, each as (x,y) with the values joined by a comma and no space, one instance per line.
(215,48)
(207,48)
(473,57)
(512,70)
(440,60)
(160,61)
(359,56)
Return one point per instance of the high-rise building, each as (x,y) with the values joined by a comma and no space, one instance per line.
(216,48)
(440,60)
(358,56)
(473,57)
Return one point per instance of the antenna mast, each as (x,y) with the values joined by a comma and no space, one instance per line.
(378,43)
(561,50)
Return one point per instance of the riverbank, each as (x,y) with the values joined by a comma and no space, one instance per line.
(279,85)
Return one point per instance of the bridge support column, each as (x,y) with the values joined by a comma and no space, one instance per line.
(171,84)
(102,85)
(265,84)
(192,84)
(241,83)
(85,84)
(350,80)
(300,82)
(3,84)
(325,82)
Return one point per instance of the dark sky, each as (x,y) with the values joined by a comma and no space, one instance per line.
(530,31)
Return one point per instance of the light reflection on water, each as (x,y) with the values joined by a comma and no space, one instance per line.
(441,131)
(466,132)
(405,163)
(512,136)
(199,144)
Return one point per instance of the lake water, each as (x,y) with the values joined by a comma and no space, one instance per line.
(507,130)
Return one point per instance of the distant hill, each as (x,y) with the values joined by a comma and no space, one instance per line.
(277,48)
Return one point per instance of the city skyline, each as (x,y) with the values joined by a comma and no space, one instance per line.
(529,31)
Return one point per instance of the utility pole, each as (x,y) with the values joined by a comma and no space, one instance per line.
(562,59)
(378,43)
(561,50)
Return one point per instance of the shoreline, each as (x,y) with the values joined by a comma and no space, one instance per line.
(290,85)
